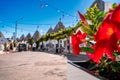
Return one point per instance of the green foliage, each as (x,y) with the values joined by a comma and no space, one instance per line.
(60,34)
(87,49)
(86,30)
(110,70)
(30,41)
(37,44)
(115,54)
(95,17)
(114,5)
(15,43)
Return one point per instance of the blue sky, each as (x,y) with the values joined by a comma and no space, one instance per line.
(42,13)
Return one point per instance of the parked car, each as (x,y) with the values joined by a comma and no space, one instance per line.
(22,47)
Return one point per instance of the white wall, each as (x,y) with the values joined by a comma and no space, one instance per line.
(1,47)
(107,6)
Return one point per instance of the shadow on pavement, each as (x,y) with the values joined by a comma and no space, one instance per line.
(70,57)
(80,57)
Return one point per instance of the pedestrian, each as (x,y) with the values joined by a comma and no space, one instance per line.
(11,46)
(68,46)
(29,47)
(34,46)
(57,48)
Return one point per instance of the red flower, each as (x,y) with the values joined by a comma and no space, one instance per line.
(75,45)
(107,36)
(77,39)
(81,17)
(115,17)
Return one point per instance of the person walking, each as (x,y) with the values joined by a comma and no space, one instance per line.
(34,46)
(29,47)
(68,46)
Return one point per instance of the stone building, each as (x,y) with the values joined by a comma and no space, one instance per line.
(3,41)
(36,36)
(1,35)
(50,31)
(103,6)
(22,38)
(59,26)
(107,5)
(100,4)
(28,37)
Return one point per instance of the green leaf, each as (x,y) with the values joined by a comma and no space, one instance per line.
(87,49)
(114,5)
(86,30)
(115,54)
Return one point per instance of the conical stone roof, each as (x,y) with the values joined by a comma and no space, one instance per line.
(50,31)
(59,26)
(36,35)
(22,38)
(28,37)
(1,35)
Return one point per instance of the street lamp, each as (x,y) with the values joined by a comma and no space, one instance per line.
(16,24)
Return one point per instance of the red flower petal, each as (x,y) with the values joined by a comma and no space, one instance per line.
(81,16)
(99,52)
(105,30)
(76,41)
(75,45)
(81,36)
(107,36)
(115,17)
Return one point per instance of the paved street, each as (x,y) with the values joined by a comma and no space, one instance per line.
(32,66)
(41,66)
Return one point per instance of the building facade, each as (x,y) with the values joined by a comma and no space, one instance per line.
(102,5)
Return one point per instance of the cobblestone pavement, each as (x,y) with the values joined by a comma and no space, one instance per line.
(32,66)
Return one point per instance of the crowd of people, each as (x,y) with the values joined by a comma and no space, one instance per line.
(54,48)
(49,47)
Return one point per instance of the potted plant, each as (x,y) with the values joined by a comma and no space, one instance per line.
(103,41)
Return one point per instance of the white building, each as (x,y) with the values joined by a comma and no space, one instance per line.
(102,5)
(54,43)
(107,5)
(2,41)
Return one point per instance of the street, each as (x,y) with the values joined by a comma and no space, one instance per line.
(32,66)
